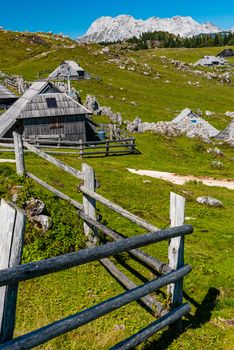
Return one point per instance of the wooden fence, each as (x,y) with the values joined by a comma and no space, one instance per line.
(80,148)
(170,274)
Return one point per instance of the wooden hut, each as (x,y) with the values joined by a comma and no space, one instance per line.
(68,69)
(209,61)
(44,112)
(187,115)
(7,98)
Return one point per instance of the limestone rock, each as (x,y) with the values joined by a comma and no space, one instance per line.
(44,221)
(216,151)
(210,201)
(229,114)
(34,207)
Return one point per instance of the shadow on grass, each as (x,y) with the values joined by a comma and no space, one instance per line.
(202,315)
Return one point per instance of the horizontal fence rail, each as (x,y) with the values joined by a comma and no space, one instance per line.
(58,263)
(54,161)
(70,323)
(103,147)
(154,327)
(140,222)
(154,263)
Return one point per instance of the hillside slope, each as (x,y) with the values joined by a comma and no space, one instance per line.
(153,97)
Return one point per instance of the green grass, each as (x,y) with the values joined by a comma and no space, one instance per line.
(209,249)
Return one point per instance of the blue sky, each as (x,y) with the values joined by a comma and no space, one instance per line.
(73,17)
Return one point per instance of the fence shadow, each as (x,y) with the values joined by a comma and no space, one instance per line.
(202,315)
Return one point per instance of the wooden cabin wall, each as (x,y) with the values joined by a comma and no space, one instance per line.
(72,127)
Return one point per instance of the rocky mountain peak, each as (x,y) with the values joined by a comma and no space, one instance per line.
(108,29)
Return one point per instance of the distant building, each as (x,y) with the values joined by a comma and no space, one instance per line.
(189,116)
(69,69)
(209,61)
(226,53)
(44,112)
(7,98)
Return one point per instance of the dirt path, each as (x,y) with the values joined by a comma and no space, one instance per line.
(182,179)
(7,160)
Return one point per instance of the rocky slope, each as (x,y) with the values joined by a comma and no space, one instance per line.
(106,29)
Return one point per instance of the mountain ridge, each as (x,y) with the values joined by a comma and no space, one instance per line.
(107,28)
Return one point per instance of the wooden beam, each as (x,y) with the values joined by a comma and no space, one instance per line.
(58,263)
(176,248)
(154,327)
(89,203)
(153,305)
(152,262)
(54,161)
(12,221)
(56,192)
(19,154)
(70,323)
(140,222)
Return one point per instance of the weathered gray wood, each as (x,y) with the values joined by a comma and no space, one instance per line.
(107,148)
(103,152)
(54,161)
(67,324)
(19,154)
(11,290)
(152,262)
(7,222)
(56,192)
(176,249)
(153,305)
(12,224)
(58,263)
(10,145)
(64,142)
(89,203)
(140,222)
(154,327)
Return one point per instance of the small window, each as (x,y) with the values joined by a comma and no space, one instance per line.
(51,102)
(56,123)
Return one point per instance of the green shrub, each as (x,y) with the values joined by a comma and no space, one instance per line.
(66,234)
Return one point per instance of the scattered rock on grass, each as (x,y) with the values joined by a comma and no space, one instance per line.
(44,221)
(210,201)
(216,151)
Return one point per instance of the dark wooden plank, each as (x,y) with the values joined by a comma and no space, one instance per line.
(44,267)
(153,305)
(154,327)
(67,324)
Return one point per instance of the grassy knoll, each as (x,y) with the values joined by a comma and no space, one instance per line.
(209,287)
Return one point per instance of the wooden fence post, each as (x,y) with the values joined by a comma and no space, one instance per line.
(19,154)
(88,202)
(12,225)
(107,148)
(176,249)
(81,148)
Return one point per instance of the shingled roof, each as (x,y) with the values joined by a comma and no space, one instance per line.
(42,99)
(67,67)
(6,93)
